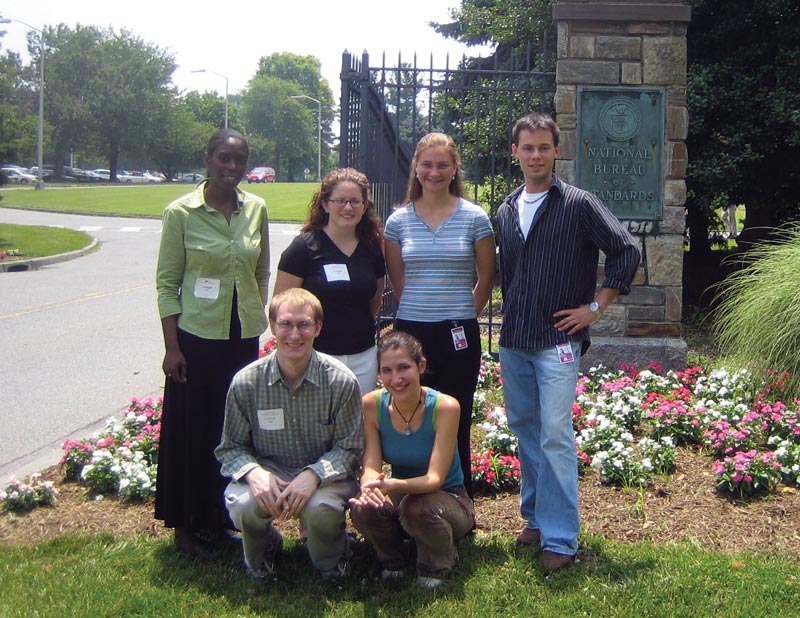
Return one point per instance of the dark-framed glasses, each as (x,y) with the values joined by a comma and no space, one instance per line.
(339,202)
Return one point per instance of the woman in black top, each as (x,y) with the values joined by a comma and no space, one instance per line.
(339,258)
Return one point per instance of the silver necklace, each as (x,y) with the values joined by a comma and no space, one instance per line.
(407,431)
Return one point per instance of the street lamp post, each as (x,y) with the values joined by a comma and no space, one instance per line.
(319,131)
(40,127)
(225,77)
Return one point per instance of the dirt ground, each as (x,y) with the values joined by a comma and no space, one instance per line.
(681,507)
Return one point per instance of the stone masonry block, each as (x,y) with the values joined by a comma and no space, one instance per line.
(565,169)
(587,72)
(562,45)
(618,48)
(612,324)
(581,47)
(674,221)
(646,314)
(677,159)
(567,142)
(674,305)
(643,295)
(669,352)
(677,123)
(648,28)
(565,100)
(674,192)
(664,260)
(664,60)
(631,73)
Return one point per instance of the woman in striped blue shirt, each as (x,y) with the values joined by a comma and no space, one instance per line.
(440,258)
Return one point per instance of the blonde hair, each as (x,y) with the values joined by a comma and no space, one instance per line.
(434,140)
(295,297)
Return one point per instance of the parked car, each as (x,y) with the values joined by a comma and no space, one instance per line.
(47,173)
(82,175)
(261,174)
(193,177)
(12,174)
(142,178)
(103,173)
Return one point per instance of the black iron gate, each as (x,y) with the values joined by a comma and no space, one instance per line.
(385,110)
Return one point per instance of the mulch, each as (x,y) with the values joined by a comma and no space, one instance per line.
(681,507)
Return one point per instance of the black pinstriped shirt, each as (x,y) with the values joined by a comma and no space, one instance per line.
(556,266)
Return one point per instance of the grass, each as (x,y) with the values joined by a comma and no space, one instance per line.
(39,241)
(286,201)
(137,576)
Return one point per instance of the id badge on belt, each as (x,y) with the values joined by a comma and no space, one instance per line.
(565,354)
(459,338)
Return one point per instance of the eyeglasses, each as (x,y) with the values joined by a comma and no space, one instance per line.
(287,327)
(340,202)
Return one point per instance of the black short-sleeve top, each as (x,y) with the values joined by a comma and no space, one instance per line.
(344,285)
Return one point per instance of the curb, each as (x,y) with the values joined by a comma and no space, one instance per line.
(36,263)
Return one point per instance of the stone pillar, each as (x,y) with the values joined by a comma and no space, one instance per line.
(633,44)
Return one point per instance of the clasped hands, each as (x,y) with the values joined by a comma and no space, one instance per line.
(279,498)
(373,493)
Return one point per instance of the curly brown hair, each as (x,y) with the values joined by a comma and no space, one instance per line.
(368,229)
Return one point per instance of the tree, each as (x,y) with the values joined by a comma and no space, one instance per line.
(130,89)
(209,108)
(275,123)
(17,110)
(177,138)
(743,96)
(303,72)
(72,61)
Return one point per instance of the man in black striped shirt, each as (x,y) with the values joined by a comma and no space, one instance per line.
(550,237)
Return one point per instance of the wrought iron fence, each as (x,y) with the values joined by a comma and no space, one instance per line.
(386,109)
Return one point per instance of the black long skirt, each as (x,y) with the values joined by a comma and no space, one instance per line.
(189,486)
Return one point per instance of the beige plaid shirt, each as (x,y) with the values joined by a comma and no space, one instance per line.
(319,426)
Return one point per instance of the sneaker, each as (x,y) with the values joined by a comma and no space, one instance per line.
(429,583)
(342,569)
(552,561)
(271,552)
(529,536)
(392,575)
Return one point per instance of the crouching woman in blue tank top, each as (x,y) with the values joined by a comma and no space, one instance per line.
(413,429)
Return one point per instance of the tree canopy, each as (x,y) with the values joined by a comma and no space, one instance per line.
(744,108)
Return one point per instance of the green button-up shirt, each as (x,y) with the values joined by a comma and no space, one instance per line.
(318,426)
(203,259)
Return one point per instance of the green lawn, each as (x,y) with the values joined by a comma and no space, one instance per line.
(137,576)
(39,241)
(285,201)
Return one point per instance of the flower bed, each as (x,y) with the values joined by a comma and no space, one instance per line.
(628,425)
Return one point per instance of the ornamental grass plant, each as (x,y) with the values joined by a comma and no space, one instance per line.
(756,320)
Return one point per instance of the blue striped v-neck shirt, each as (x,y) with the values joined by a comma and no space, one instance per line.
(439,265)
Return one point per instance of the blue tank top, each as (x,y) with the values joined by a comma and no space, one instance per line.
(409,456)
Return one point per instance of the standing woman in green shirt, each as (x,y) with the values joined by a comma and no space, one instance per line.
(212,280)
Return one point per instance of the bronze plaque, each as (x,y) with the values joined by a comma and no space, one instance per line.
(620,149)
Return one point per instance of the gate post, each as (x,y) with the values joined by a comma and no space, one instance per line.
(621,69)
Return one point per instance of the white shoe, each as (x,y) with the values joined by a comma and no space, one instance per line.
(389,575)
(429,583)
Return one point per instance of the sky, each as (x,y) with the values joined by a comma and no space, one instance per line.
(229,38)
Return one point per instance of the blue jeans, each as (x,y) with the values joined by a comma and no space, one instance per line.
(539,392)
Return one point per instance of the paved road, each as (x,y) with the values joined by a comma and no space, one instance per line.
(79,338)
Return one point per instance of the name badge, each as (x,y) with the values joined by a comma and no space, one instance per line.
(565,354)
(336,272)
(459,338)
(271,420)
(206,288)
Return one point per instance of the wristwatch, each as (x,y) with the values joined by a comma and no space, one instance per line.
(594,307)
